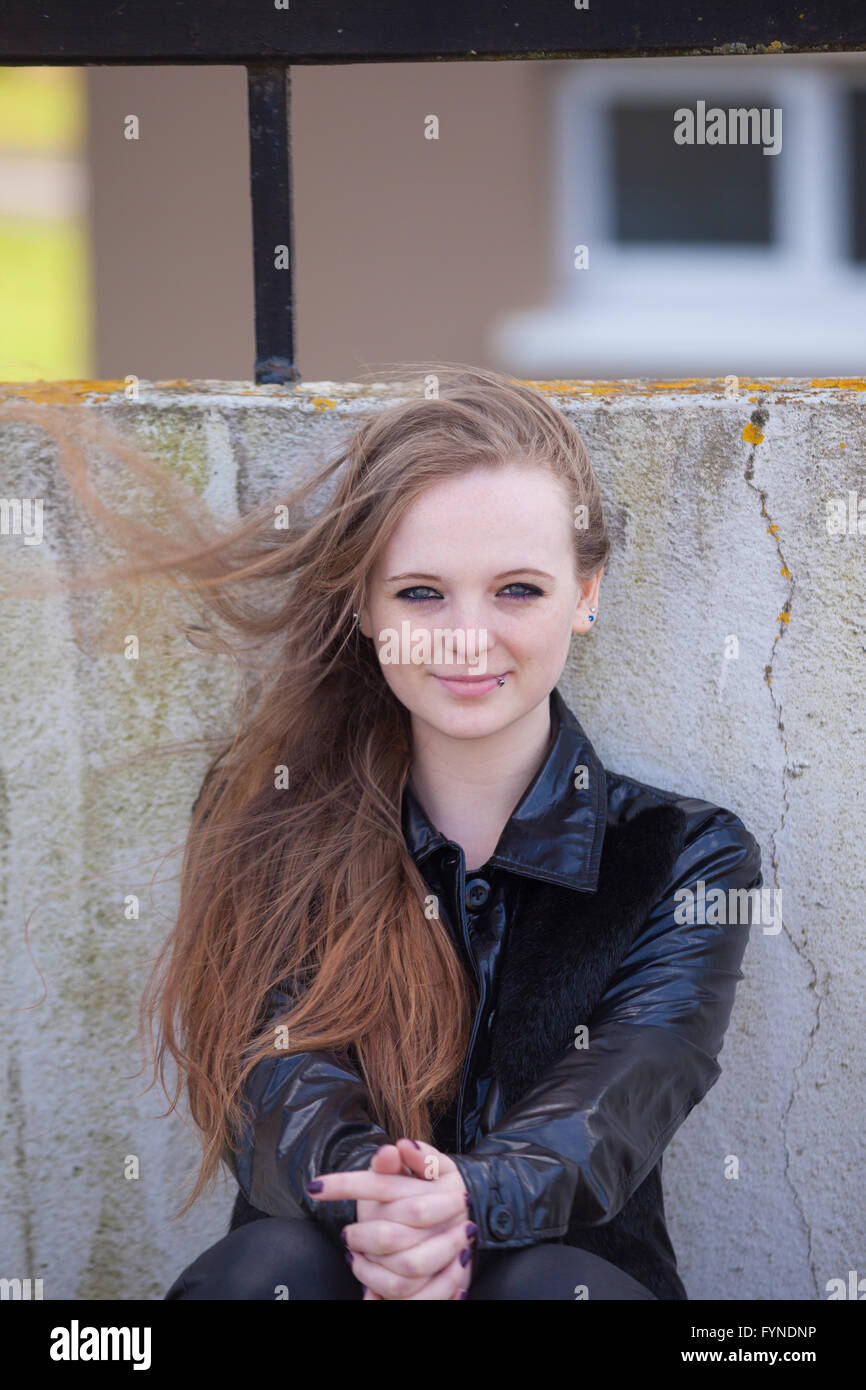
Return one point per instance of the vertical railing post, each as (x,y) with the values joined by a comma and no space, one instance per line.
(269,92)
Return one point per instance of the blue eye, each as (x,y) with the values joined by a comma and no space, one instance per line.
(407,594)
(421,593)
(531,591)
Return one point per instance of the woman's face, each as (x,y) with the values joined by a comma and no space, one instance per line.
(476,582)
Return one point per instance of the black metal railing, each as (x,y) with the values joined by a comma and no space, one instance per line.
(268,40)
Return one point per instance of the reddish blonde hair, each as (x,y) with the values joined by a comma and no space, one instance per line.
(313,885)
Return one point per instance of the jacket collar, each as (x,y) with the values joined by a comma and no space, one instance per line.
(556,831)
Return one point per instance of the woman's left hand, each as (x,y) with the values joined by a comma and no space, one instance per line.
(403,1247)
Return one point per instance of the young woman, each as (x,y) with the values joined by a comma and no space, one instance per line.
(444,996)
(441,987)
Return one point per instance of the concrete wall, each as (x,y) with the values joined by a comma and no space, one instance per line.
(717,506)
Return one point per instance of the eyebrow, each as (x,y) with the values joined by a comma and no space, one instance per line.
(437,579)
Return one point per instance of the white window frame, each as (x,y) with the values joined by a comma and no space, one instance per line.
(807,181)
(803,294)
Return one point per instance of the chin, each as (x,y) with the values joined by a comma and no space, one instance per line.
(471,718)
(467,729)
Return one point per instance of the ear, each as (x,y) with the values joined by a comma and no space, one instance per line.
(364,623)
(588,599)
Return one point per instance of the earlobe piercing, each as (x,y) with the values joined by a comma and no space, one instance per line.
(592,613)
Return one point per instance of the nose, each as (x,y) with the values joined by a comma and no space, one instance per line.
(471,618)
(466,642)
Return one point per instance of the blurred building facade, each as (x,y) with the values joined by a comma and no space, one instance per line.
(553,226)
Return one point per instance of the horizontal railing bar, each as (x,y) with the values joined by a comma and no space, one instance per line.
(376,31)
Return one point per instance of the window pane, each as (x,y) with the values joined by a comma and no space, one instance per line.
(687,193)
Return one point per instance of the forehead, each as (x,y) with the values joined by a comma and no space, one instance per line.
(484,512)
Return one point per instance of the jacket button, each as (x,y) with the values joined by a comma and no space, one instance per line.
(501,1222)
(477,893)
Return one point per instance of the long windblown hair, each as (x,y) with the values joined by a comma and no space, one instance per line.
(295,871)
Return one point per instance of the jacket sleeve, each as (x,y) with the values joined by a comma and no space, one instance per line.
(589,1130)
(310,1116)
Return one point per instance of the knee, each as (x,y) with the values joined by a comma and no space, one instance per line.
(273,1258)
(533,1272)
(269,1257)
(595,1278)
(550,1271)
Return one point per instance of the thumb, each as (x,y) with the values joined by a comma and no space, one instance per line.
(388,1159)
(423,1160)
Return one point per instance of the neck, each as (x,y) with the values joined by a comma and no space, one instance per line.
(469,787)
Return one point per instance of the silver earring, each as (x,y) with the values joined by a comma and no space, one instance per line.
(592,613)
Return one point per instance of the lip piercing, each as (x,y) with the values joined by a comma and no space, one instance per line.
(501,680)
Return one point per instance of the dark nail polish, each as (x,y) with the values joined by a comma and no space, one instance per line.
(468,1199)
(472,1230)
(349,1257)
(315,1186)
(465,1257)
(343,1236)
(363,1289)
(415,1142)
(464,1293)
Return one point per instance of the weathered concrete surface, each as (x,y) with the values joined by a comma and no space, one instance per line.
(717,506)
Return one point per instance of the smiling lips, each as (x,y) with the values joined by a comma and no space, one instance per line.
(470,685)
(491,676)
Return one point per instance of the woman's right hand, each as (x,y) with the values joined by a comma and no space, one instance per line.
(400,1261)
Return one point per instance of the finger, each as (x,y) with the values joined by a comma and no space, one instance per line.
(409,1236)
(388,1159)
(384,1281)
(422,1162)
(370,1209)
(381,1211)
(359,1184)
(428,1207)
(382,1237)
(444,1285)
(425,1161)
(385,1238)
(426,1257)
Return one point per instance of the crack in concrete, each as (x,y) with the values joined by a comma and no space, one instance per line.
(758,419)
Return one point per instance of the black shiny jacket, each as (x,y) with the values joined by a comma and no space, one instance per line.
(606,973)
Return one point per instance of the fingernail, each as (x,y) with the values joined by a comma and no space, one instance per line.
(343,1237)
(315,1186)
(468,1199)
(465,1256)
(464,1293)
(363,1289)
(415,1142)
(472,1230)
(349,1257)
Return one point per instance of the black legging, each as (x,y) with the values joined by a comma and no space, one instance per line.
(278,1257)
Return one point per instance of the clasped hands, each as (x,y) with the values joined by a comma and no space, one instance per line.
(409,1241)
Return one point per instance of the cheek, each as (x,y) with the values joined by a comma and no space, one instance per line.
(543,633)
(401,676)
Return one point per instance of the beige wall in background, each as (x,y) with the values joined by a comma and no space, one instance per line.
(404,247)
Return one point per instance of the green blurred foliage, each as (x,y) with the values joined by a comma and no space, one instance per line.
(42,110)
(45,292)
